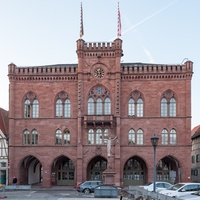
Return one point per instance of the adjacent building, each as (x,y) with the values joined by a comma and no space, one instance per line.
(4,164)
(195,168)
(92,120)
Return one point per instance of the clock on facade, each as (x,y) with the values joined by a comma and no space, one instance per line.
(98,73)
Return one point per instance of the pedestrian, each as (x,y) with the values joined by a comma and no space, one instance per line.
(14,181)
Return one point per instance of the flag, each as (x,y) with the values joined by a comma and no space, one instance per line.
(119,27)
(81,25)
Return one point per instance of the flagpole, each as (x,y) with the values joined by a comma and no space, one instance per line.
(119,25)
(81,22)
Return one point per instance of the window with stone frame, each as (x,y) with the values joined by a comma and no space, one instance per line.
(63,105)
(172,136)
(62,138)
(96,136)
(136,104)
(99,102)
(30,138)
(136,137)
(131,136)
(168,137)
(168,104)
(164,137)
(31,105)
(140,137)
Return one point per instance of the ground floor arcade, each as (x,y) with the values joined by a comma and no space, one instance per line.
(63,171)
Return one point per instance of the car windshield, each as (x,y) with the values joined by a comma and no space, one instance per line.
(176,187)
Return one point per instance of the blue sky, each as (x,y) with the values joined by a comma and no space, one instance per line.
(42,32)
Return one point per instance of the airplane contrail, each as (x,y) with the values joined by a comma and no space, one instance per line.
(149,17)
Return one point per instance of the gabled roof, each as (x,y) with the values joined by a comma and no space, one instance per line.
(4,121)
(195,132)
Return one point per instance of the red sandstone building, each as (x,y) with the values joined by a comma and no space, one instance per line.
(60,115)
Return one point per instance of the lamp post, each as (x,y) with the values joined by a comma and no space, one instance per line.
(154,141)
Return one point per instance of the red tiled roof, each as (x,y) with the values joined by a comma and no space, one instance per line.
(4,121)
(195,132)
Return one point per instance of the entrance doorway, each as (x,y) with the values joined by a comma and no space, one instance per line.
(96,168)
(135,172)
(62,171)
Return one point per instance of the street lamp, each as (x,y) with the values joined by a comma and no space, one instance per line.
(154,141)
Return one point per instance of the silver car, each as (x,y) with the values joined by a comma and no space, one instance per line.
(88,186)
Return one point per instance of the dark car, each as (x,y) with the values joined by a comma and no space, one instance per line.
(88,186)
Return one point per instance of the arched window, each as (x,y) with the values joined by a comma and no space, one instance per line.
(99,136)
(66,136)
(164,137)
(59,108)
(99,102)
(107,106)
(63,138)
(95,136)
(168,104)
(136,104)
(131,107)
(172,110)
(26,137)
(140,136)
(139,107)
(90,106)
(90,136)
(27,108)
(164,112)
(35,108)
(131,136)
(173,136)
(31,106)
(59,137)
(99,107)
(67,108)
(34,137)
(63,105)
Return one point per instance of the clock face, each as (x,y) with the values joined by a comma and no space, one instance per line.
(98,73)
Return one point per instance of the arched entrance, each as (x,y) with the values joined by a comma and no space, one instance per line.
(96,167)
(168,169)
(30,171)
(135,172)
(62,171)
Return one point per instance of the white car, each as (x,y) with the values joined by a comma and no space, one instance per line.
(181,189)
(158,185)
(193,196)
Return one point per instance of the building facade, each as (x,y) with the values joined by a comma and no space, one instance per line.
(4,164)
(72,122)
(195,170)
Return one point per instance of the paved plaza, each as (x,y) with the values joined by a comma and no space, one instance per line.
(48,194)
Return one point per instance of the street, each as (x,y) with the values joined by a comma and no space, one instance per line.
(48,194)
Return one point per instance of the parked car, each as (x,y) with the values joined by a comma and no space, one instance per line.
(181,189)
(193,196)
(88,186)
(159,186)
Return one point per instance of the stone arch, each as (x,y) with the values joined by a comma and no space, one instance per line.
(30,170)
(95,168)
(62,171)
(135,171)
(168,169)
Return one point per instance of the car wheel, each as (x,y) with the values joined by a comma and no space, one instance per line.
(86,191)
